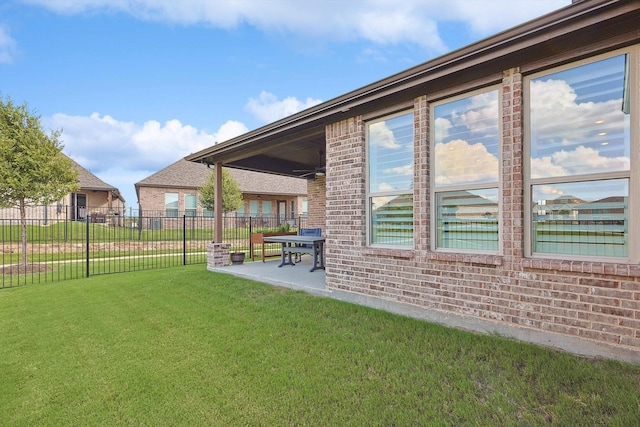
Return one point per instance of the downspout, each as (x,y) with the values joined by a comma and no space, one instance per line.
(218,204)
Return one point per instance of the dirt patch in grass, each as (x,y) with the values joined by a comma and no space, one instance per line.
(25,269)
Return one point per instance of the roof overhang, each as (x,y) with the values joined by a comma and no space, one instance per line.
(297,142)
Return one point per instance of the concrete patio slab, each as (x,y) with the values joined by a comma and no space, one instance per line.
(296,277)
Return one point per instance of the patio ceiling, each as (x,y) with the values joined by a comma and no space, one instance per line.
(298,142)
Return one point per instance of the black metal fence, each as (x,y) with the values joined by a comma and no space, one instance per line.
(113,243)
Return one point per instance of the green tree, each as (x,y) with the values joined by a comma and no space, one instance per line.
(33,170)
(231,194)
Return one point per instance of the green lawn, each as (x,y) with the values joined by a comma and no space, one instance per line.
(184,346)
(72,231)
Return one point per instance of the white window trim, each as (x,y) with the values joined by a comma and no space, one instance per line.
(633,254)
(433,191)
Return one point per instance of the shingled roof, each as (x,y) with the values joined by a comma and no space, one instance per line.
(186,174)
(88,181)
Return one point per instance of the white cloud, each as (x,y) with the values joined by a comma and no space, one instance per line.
(555,105)
(99,141)
(481,113)
(458,162)
(401,170)
(495,15)
(382,136)
(545,167)
(381,22)
(383,186)
(230,129)
(442,127)
(8,46)
(548,190)
(398,24)
(96,141)
(173,140)
(268,108)
(582,160)
(122,153)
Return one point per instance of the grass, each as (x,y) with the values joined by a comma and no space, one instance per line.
(184,346)
(67,269)
(74,231)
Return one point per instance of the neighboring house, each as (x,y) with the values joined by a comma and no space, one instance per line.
(550,107)
(173,192)
(94,198)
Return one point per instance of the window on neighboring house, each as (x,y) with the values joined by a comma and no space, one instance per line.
(266,208)
(240,213)
(305,207)
(390,180)
(466,166)
(293,209)
(579,151)
(171,204)
(190,205)
(254,208)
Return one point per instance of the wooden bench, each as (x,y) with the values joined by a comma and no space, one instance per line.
(258,238)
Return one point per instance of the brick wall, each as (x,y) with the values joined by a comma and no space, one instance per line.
(587,300)
(316,196)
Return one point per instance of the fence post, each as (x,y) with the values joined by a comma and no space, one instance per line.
(87,240)
(184,239)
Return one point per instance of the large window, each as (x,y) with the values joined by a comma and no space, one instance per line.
(390,180)
(190,205)
(171,204)
(580,159)
(466,164)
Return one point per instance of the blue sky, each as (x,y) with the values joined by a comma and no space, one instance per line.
(137,84)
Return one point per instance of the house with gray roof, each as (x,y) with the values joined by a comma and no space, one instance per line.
(94,197)
(173,191)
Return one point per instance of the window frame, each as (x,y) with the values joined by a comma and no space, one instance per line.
(434,191)
(632,175)
(369,194)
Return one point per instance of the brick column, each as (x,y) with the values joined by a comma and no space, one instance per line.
(512,169)
(217,255)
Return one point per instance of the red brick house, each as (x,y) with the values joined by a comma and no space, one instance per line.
(481,139)
(173,191)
